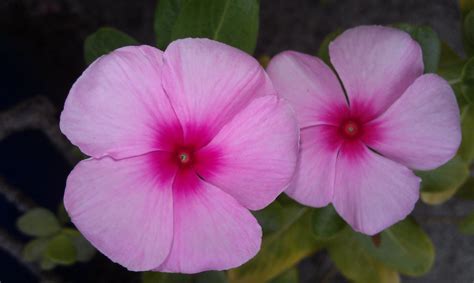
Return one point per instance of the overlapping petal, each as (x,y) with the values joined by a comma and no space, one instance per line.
(372,192)
(421,129)
(212,231)
(309,85)
(118,107)
(376,64)
(124,208)
(209,82)
(313,183)
(255,153)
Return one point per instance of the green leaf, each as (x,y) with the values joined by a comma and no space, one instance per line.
(289,276)
(429,42)
(103,41)
(63,217)
(281,249)
(34,249)
(325,222)
(211,277)
(405,247)
(468,32)
(234,22)
(467,189)
(437,197)
(355,263)
(157,277)
(166,13)
(467,78)
(466,226)
(84,250)
(447,177)
(270,218)
(466,6)
(323,52)
(38,222)
(466,150)
(450,64)
(47,264)
(61,250)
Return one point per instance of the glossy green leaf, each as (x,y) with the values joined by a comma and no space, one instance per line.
(355,263)
(468,32)
(466,6)
(47,264)
(281,249)
(157,277)
(34,249)
(61,250)
(234,22)
(289,276)
(405,247)
(466,150)
(467,189)
(325,222)
(449,176)
(429,42)
(84,250)
(270,218)
(323,52)
(166,13)
(450,64)
(437,198)
(211,277)
(103,41)
(467,78)
(38,222)
(466,226)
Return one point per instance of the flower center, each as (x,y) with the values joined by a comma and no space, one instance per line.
(184,157)
(350,129)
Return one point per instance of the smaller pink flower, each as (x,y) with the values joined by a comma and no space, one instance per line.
(183,143)
(358,153)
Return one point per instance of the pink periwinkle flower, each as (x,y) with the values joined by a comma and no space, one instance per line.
(182,143)
(358,152)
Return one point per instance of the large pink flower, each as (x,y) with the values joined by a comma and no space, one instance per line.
(357,153)
(183,143)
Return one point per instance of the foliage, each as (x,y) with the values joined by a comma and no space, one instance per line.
(53,244)
(291,231)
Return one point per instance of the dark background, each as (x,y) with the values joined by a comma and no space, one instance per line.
(41,54)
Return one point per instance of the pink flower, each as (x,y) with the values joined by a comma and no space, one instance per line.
(358,153)
(183,143)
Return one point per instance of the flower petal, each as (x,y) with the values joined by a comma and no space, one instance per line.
(209,82)
(212,231)
(421,129)
(376,64)
(313,183)
(254,156)
(124,208)
(310,86)
(118,107)
(371,192)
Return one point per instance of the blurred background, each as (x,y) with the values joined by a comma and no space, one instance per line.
(41,55)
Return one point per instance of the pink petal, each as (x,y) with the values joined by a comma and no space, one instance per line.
(376,64)
(118,107)
(209,82)
(422,129)
(255,153)
(124,208)
(313,183)
(212,231)
(309,85)
(371,192)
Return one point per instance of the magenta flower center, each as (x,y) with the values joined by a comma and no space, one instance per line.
(185,156)
(350,129)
